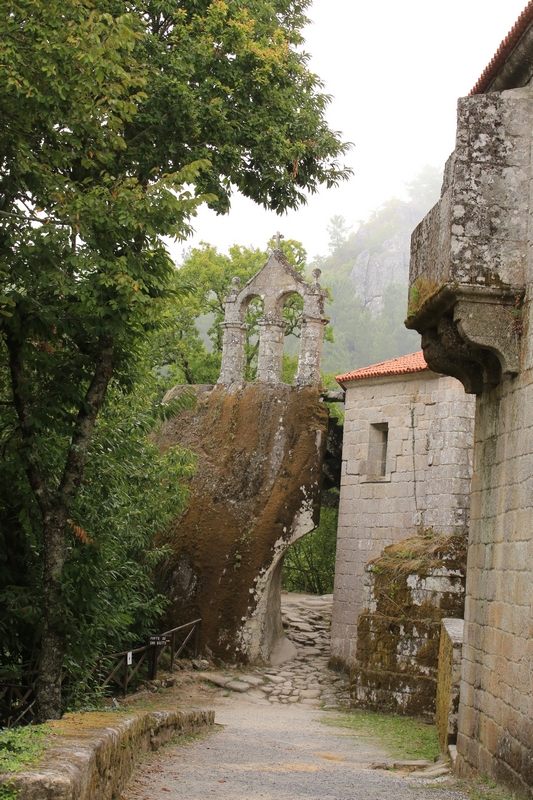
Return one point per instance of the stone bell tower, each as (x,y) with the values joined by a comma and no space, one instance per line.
(274,283)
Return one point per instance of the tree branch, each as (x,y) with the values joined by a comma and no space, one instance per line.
(94,398)
(22,405)
(43,221)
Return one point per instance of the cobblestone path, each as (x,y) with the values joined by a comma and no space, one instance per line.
(304,678)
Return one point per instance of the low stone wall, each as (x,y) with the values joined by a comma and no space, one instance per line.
(409,589)
(95,753)
(448,681)
(396,664)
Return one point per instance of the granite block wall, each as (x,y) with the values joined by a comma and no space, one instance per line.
(496,710)
(426,482)
(472,276)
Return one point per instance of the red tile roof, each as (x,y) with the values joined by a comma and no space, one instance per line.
(414,362)
(504,50)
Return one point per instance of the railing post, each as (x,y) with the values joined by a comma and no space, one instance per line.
(196,638)
(172,651)
(153,663)
(125,685)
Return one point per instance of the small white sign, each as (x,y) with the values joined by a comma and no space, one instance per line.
(129,659)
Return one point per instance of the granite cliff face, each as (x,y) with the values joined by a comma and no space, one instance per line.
(374,271)
(257,488)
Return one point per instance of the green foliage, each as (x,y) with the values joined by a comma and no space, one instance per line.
(403,737)
(19,747)
(382,224)
(338,232)
(118,120)
(361,338)
(130,491)
(424,189)
(390,336)
(309,564)
(229,82)
(484,788)
(8,791)
(289,368)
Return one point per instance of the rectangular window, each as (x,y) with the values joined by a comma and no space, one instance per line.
(377,450)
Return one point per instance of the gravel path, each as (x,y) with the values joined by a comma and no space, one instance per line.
(270,742)
(276,752)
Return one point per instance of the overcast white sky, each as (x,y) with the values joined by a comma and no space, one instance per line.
(395,69)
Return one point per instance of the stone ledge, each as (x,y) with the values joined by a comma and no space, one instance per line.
(95,753)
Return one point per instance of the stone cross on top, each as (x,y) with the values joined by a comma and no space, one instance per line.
(274,283)
(277,238)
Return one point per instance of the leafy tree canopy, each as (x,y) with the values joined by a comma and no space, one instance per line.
(130,491)
(228,82)
(117,120)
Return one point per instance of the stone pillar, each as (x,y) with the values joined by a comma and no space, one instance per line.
(311,340)
(232,352)
(234,338)
(448,681)
(270,356)
(312,335)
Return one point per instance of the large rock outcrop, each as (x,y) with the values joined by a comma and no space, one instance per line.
(260,450)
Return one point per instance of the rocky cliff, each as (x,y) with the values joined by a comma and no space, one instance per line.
(260,450)
(374,269)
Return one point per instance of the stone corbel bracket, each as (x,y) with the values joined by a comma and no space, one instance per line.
(472,333)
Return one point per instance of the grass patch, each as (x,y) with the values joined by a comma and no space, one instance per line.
(21,746)
(403,737)
(485,789)
(18,748)
(8,792)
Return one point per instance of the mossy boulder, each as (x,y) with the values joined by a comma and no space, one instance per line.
(257,489)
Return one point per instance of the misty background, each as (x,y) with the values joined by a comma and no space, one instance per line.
(394,72)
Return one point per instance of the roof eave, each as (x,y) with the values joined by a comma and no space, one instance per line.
(342,381)
(512,65)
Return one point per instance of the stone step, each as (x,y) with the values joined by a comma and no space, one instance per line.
(237,686)
(436,772)
(253,680)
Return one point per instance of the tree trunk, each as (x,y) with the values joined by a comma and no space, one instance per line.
(55,505)
(53,643)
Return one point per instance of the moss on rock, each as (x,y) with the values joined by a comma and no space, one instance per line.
(410,588)
(260,449)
